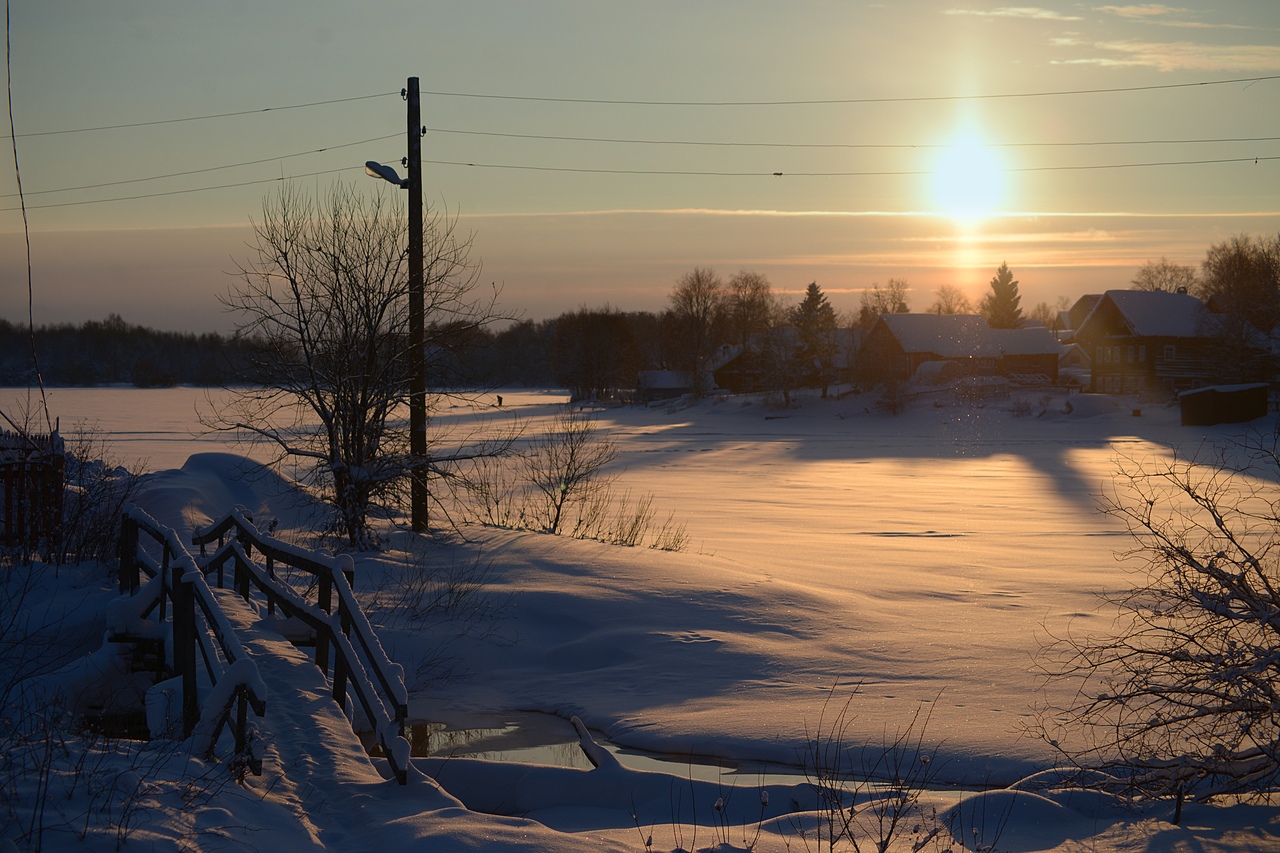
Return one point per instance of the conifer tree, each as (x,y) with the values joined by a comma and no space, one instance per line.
(815,323)
(1000,307)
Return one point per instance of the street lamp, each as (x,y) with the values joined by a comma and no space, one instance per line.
(417,322)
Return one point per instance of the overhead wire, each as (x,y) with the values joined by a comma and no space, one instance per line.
(833,101)
(279,179)
(26,225)
(843,145)
(206,117)
(672,172)
(860,174)
(212,168)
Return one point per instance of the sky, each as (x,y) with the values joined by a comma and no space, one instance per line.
(599,150)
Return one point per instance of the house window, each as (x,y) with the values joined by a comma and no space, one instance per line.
(1131,353)
(1142,353)
(1170,352)
(1115,353)
(1102,354)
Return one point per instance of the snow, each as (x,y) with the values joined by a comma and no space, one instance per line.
(1155,314)
(946,335)
(910,562)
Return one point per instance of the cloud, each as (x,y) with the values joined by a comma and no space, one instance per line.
(1184,56)
(1155,12)
(1140,12)
(1032,12)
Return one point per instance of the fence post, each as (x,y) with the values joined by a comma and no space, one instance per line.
(184,646)
(128,574)
(271,573)
(242,719)
(340,678)
(322,639)
(166,582)
(242,578)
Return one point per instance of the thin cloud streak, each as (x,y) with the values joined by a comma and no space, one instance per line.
(1030,12)
(1184,56)
(1152,13)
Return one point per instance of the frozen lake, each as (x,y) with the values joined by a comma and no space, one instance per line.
(920,557)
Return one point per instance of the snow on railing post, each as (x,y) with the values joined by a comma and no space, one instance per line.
(344,625)
(326,604)
(340,680)
(166,586)
(271,573)
(128,575)
(184,644)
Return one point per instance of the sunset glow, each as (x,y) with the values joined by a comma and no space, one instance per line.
(833,143)
(968,180)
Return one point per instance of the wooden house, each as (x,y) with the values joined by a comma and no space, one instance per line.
(1144,342)
(898,345)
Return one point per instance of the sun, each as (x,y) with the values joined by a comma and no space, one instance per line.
(968,179)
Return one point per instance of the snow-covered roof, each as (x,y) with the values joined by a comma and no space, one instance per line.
(1153,313)
(967,336)
(1033,341)
(947,335)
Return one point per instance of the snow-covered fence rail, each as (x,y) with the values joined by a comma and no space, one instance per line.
(198,624)
(360,666)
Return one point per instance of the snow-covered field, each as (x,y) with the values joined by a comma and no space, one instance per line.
(912,563)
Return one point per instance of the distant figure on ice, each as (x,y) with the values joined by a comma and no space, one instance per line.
(499,401)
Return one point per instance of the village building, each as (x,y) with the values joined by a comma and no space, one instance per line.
(1145,342)
(900,347)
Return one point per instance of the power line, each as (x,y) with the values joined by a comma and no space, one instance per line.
(204,117)
(660,172)
(280,179)
(858,174)
(211,168)
(783,145)
(836,101)
(26,226)
(656,103)
(844,145)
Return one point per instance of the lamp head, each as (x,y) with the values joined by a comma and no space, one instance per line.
(374,169)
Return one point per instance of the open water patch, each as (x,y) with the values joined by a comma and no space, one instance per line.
(532,737)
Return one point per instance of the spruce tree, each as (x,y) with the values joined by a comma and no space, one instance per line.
(1000,307)
(815,323)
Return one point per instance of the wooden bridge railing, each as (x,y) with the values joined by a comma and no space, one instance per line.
(360,666)
(177,590)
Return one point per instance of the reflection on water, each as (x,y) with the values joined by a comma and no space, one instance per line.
(536,738)
(512,742)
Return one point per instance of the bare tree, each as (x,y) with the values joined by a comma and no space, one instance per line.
(697,302)
(751,306)
(324,300)
(891,300)
(566,466)
(1183,696)
(1166,276)
(951,300)
(1043,313)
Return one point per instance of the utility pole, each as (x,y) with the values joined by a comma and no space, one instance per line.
(418,496)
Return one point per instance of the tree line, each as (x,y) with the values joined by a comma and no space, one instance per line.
(112,351)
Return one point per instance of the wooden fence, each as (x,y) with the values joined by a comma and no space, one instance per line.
(32,478)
